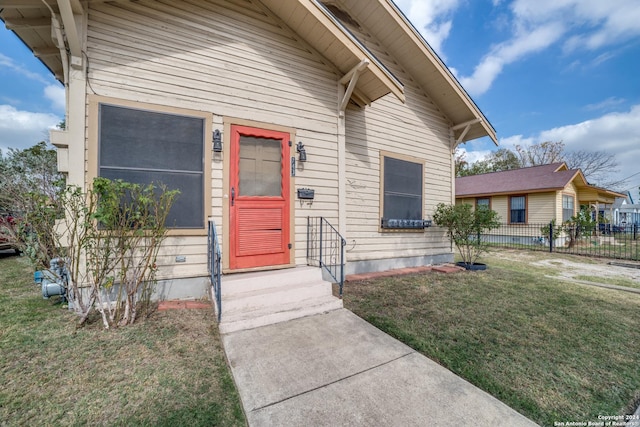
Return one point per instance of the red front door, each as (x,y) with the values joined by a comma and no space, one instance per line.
(259,198)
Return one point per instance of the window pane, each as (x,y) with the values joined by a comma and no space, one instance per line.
(187,210)
(482,202)
(517,202)
(260,166)
(517,216)
(150,140)
(567,202)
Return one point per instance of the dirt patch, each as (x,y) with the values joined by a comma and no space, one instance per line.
(572,267)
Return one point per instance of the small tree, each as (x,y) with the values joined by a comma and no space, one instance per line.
(30,190)
(113,235)
(553,229)
(580,225)
(465,226)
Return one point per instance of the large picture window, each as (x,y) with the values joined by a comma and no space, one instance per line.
(402,193)
(144,147)
(567,208)
(518,209)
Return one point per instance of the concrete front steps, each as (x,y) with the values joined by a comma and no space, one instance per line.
(250,300)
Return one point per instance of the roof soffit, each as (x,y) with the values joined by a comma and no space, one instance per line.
(313,22)
(419,60)
(30,20)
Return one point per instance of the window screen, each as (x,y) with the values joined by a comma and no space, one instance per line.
(260,166)
(403,187)
(518,209)
(146,147)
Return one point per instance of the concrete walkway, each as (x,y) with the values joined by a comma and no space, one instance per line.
(335,369)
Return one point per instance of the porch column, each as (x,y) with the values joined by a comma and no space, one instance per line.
(74,20)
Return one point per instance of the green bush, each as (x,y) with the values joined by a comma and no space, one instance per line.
(465,226)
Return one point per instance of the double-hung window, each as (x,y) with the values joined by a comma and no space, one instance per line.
(143,147)
(518,209)
(402,192)
(567,207)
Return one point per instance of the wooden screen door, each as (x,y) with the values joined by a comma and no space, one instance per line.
(259,198)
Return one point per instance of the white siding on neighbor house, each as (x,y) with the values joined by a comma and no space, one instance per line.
(416,129)
(231,59)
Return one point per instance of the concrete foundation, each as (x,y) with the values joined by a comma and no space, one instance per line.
(369,266)
(191,288)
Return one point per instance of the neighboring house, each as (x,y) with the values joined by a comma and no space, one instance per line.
(214,98)
(625,211)
(535,195)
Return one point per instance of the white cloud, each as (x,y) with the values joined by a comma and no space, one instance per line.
(9,63)
(431,19)
(539,24)
(22,129)
(505,53)
(56,94)
(596,23)
(474,156)
(616,133)
(608,103)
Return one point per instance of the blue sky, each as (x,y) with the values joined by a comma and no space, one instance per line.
(539,69)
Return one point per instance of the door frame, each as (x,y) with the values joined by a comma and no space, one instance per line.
(226,185)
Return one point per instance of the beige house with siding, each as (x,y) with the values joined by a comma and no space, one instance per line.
(534,195)
(216,97)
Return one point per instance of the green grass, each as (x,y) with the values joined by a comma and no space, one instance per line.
(553,350)
(168,369)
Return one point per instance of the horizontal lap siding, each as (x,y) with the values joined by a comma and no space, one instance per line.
(542,207)
(417,129)
(232,59)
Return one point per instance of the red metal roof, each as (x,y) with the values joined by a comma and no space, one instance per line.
(550,177)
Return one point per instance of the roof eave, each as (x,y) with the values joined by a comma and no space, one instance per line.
(465,106)
(341,41)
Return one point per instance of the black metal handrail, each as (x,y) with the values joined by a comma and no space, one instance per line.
(214,266)
(325,249)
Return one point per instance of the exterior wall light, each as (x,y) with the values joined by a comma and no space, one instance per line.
(303,153)
(217,141)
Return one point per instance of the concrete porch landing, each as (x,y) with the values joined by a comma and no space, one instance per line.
(250,300)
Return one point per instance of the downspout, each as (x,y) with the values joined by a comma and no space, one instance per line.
(58,39)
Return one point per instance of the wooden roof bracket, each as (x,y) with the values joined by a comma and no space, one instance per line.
(352,78)
(466,126)
(67,10)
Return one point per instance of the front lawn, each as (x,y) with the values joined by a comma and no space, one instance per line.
(166,370)
(553,350)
